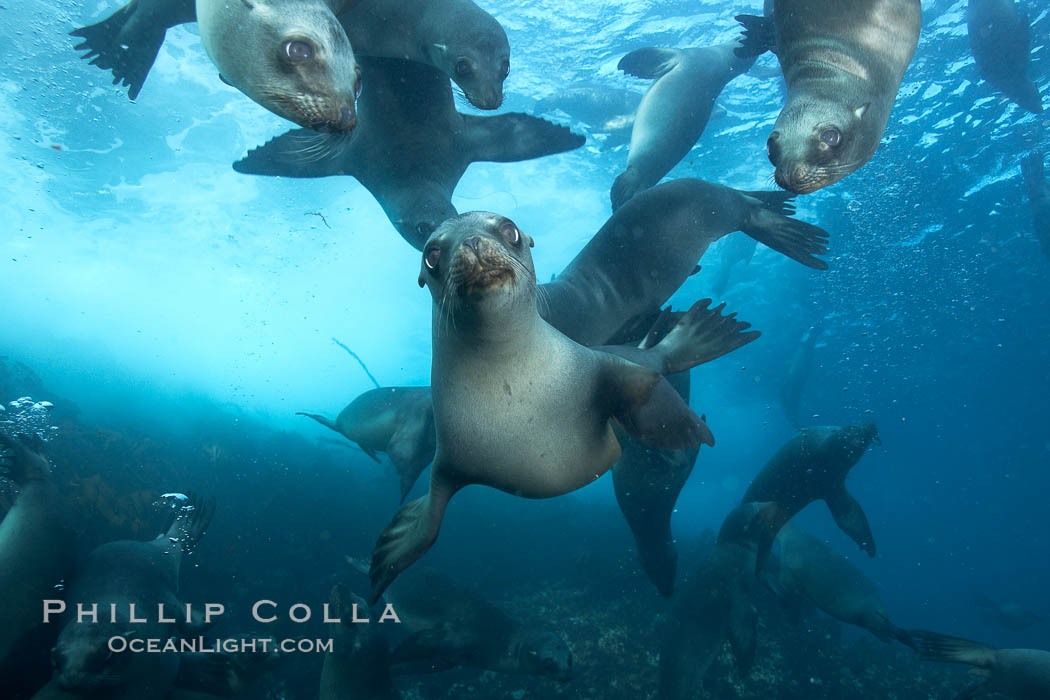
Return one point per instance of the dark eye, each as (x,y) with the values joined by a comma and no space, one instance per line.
(296,50)
(510,232)
(505,69)
(463,67)
(357,83)
(831,137)
(432,257)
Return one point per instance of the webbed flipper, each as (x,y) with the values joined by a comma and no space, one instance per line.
(649,408)
(508,138)
(850,518)
(759,36)
(299,153)
(702,335)
(795,239)
(649,63)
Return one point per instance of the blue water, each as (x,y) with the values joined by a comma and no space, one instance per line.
(181,305)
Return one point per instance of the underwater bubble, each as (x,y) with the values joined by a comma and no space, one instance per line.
(175,496)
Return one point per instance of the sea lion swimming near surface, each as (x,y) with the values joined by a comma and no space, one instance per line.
(1000,38)
(605,109)
(396,420)
(796,374)
(1022,674)
(713,605)
(36,545)
(358,666)
(1038,188)
(449,625)
(290,56)
(517,405)
(808,568)
(412,146)
(455,36)
(123,573)
(843,61)
(674,111)
(812,466)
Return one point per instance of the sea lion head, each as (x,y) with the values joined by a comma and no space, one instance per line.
(542,653)
(477,58)
(83,660)
(294,59)
(817,142)
(478,265)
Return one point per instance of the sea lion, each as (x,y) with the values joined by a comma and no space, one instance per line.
(714,604)
(290,56)
(1022,674)
(396,420)
(1012,616)
(605,109)
(358,666)
(843,61)
(36,545)
(517,405)
(123,573)
(806,567)
(813,466)
(735,250)
(449,625)
(674,112)
(455,36)
(796,374)
(1001,40)
(650,246)
(412,146)
(127,42)
(1038,188)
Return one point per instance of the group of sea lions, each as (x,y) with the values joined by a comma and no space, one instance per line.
(538,389)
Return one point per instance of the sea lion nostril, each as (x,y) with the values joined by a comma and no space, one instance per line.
(473,242)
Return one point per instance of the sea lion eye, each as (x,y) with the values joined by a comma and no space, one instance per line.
(432,257)
(505,69)
(357,82)
(463,67)
(831,137)
(297,50)
(510,232)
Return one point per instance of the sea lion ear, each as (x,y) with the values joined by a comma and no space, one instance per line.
(532,243)
(860,111)
(422,282)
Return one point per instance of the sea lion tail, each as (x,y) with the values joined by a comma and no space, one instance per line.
(129,57)
(191,521)
(649,63)
(940,647)
(759,36)
(796,239)
(703,334)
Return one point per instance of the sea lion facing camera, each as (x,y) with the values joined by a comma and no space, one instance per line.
(843,61)
(813,466)
(123,573)
(411,147)
(517,405)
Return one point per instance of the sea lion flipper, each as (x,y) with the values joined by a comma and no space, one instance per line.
(649,63)
(298,153)
(940,647)
(850,518)
(508,138)
(795,239)
(128,57)
(408,537)
(780,202)
(403,452)
(191,521)
(26,462)
(702,335)
(649,408)
(759,36)
(743,622)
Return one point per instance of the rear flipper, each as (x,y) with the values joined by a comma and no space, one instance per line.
(123,45)
(940,647)
(795,239)
(649,63)
(702,335)
(850,518)
(299,153)
(649,408)
(191,522)
(408,537)
(626,185)
(508,138)
(759,36)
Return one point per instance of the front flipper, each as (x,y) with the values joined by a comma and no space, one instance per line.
(649,408)
(702,335)
(411,449)
(508,138)
(408,536)
(299,153)
(650,63)
(850,518)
